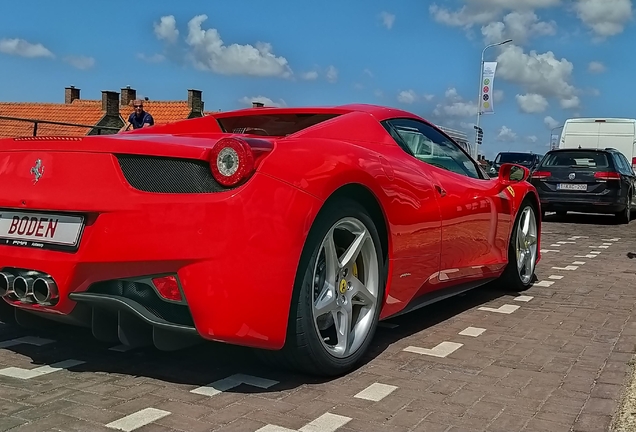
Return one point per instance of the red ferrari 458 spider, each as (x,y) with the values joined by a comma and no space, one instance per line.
(289,230)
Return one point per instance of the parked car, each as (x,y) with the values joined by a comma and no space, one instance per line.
(586,180)
(290,230)
(617,133)
(529,160)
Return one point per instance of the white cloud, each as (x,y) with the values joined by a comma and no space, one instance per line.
(542,74)
(464,17)
(596,67)
(166,29)
(368,72)
(506,134)
(532,138)
(209,52)
(332,74)
(23,48)
(550,122)
(498,95)
(407,96)
(604,17)
(455,106)
(264,100)
(155,58)
(80,62)
(428,97)
(532,103)
(387,19)
(518,26)
(309,76)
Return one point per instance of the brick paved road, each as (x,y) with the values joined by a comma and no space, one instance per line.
(554,359)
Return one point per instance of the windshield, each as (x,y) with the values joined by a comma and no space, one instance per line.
(516,158)
(575,159)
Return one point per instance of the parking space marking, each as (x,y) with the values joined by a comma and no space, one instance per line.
(611,240)
(568,267)
(543,283)
(578,237)
(599,247)
(555,245)
(596,252)
(557,277)
(121,348)
(566,242)
(608,244)
(20,373)
(578,262)
(524,298)
(442,349)
(376,392)
(472,331)
(585,256)
(327,422)
(230,382)
(505,309)
(387,325)
(138,419)
(27,340)
(549,250)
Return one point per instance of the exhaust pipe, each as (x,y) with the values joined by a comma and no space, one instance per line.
(23,287)
(6,284)
(44,290)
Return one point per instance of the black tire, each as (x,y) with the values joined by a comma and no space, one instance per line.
(510,279)
(625,216)
(303,350)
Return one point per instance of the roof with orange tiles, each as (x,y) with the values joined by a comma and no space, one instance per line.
(161,111)
(79,112)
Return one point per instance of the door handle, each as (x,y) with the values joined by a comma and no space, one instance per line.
(440,191)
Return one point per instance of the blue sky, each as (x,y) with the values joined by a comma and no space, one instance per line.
(567,59)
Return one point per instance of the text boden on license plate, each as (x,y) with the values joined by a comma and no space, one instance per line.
(571,186)
(40,229)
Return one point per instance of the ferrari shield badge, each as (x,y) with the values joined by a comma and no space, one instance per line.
(511,190)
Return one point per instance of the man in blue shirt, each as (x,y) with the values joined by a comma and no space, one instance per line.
(139,118)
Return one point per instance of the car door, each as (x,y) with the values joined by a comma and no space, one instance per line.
(626,171)
(475,212)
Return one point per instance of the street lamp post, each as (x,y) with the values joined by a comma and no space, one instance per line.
(481,72)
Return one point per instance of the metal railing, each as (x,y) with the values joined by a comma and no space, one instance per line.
(37,122)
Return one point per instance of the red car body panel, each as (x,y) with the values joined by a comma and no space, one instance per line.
(236,252)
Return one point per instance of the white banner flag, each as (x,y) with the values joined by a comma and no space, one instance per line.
(487,81)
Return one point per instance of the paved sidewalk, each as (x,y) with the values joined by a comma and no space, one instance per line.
(556,358)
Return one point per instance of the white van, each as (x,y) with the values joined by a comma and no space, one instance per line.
(601,133)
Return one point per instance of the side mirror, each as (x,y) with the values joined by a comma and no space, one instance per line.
(513,173)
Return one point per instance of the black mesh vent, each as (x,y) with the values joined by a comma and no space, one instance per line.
(168,175)
(146,296)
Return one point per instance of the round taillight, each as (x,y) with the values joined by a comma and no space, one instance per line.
(231,161)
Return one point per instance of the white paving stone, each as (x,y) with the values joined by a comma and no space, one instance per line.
(596,252)
(569,267)
(611,240)
(27,340)
(327,422)
(230,382)
(20,373)
(505,309)
(557,277)
(472,331)
(376,392)
(138,419)
(543,283)
(549,250)
(585,256)
(441,350)
(578,262)
(523,298)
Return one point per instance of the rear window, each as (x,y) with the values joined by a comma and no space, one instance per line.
(271,124)
(516,158)
(576,159)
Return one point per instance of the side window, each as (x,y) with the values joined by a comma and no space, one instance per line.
(627,166)
(432,147)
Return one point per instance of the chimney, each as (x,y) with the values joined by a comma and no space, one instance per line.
(70,94)
(195,100)
(127,95)
(110,103)
(258,104)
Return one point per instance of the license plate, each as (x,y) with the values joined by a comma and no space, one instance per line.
(571,186)
(40,229)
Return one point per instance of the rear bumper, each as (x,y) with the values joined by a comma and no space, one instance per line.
(581,203)
(235,255)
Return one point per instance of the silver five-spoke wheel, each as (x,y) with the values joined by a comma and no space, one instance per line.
(526,245)
(345,287)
